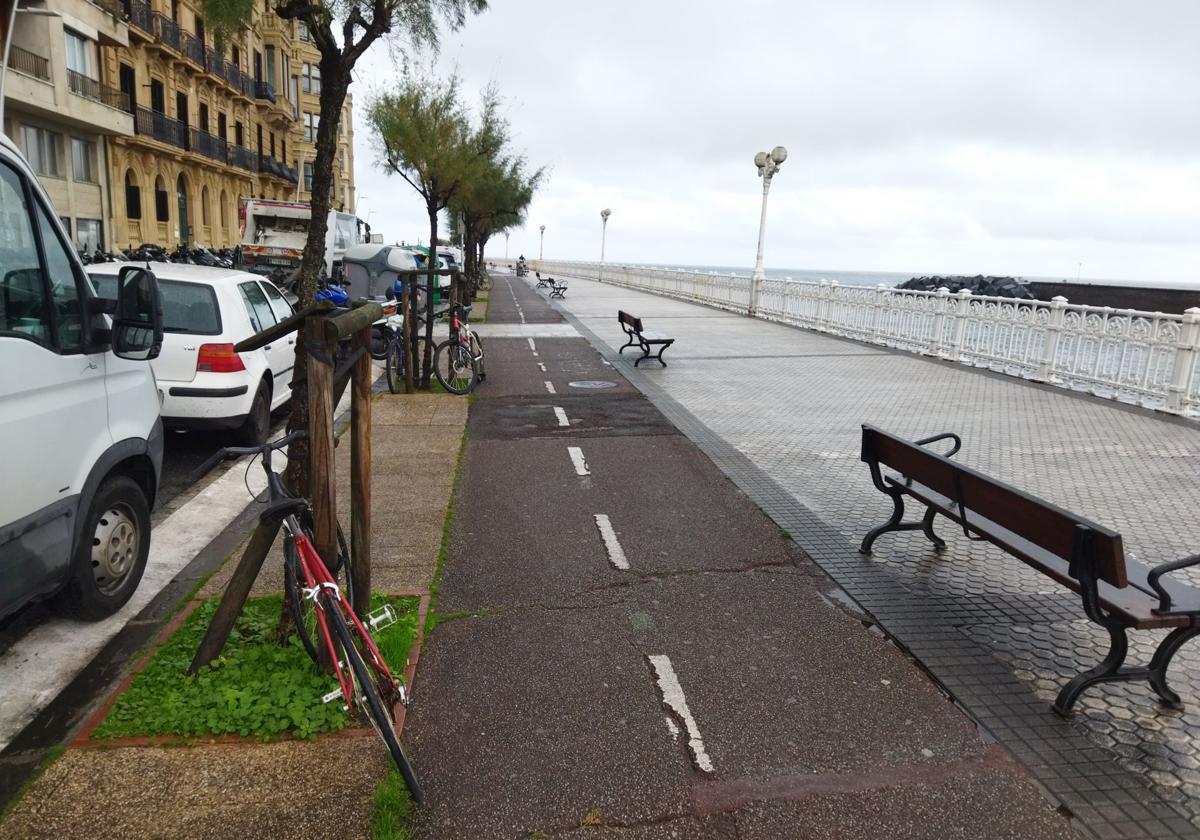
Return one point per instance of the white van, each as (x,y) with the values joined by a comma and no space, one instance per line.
(80,437)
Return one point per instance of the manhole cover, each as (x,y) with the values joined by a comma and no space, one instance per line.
(593,383)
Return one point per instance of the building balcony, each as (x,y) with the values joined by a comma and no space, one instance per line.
(167,31)
(210,145)
(191,47)
(214,63)
(247,85)
(94,89)
(158,126)
(29,63)
(140,17)
(264,90)
(243,158)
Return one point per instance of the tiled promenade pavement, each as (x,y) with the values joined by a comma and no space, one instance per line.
(779,410)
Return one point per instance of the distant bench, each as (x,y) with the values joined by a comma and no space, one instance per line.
(542,281)
(558,289)
(1118,593)
(639,337)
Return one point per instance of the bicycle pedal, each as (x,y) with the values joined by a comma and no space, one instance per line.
(385,616)
(331,696)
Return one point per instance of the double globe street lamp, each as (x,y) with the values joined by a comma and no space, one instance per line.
(604,214)
(768,165)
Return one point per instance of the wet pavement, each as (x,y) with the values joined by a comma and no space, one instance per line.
(631,647)
(779,411)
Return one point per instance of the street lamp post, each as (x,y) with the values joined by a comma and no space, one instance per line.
(768,165)
(505,244)
(604,214)
(541,242)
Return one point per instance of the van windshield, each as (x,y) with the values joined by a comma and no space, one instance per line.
(187,307)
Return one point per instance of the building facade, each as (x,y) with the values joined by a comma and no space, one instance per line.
(60,113)
(178,129)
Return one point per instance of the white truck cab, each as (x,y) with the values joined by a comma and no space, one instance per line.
(80,437)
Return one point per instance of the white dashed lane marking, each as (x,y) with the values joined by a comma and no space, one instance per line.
(532,346)
(581,467)
(616,554)
(674,699)
(542,366)
(562,416)
(550,387)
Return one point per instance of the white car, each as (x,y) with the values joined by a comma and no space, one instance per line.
(202,382)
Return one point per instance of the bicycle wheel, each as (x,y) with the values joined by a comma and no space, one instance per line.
(303,614)
(454,367)
(477,353)
(366,692)
(394,365)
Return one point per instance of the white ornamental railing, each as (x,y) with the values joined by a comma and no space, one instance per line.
(1144,358)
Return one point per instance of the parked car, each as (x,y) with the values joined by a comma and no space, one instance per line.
(203,383)
(79,416)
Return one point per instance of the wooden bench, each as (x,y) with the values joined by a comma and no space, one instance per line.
(639,337)
(1118,592)
(558,289)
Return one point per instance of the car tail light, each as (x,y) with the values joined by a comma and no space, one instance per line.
(218,358)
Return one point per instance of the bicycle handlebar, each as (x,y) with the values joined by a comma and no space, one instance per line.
(233,451)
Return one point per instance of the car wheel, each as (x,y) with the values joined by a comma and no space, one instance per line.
(257,425)
(111,556)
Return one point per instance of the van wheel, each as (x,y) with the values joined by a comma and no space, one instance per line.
(113,546)
(257,425)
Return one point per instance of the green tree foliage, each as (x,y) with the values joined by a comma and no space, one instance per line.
(423,135)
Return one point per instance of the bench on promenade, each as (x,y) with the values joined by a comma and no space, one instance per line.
(639,337)
(1118,592)
(558,289)
(542,281)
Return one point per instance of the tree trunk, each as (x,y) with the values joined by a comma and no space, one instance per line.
(433,280)
(335,81)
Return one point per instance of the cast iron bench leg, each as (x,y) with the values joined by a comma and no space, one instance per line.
(896,523)
(1162,659)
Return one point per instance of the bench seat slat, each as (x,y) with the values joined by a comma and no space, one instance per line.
(1133,603)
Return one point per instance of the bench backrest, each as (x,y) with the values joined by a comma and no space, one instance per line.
(1040,522)
(628,320)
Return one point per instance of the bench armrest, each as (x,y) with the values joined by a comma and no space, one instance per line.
(944,436)
(1164,597)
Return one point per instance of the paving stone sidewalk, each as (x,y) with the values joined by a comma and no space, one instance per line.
(779,410)
(629,647)
(289,789)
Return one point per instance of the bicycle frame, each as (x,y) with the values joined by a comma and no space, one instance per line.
(325,594)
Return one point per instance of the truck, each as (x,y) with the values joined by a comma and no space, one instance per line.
(274,234)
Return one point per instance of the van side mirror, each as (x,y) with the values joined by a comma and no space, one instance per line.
(137,330)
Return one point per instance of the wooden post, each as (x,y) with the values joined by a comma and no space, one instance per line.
(406,309)
(236,592)
(360,474)
(322,489)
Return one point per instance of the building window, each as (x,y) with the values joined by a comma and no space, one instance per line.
(312,78)
(238,135)
(295,97)
(311,123)
(42,150)
(66,223)
(283,149)
(302,29)
(88,234)
(308,177)
(270,65)
(133,197)
(162,201)
(81,54)
(83,156)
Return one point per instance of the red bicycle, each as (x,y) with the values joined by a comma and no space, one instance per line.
(323,614)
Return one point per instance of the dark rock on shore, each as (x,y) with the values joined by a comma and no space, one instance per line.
(980,284)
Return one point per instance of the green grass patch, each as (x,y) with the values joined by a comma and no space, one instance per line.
(257,687)
(391,808)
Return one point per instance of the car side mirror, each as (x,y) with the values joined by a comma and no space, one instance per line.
(137,330)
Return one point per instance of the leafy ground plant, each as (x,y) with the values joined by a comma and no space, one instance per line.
(257,687)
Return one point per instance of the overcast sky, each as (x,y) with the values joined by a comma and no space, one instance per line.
(996,136)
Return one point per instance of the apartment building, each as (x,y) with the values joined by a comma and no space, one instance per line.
(144,129)
(59,111)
